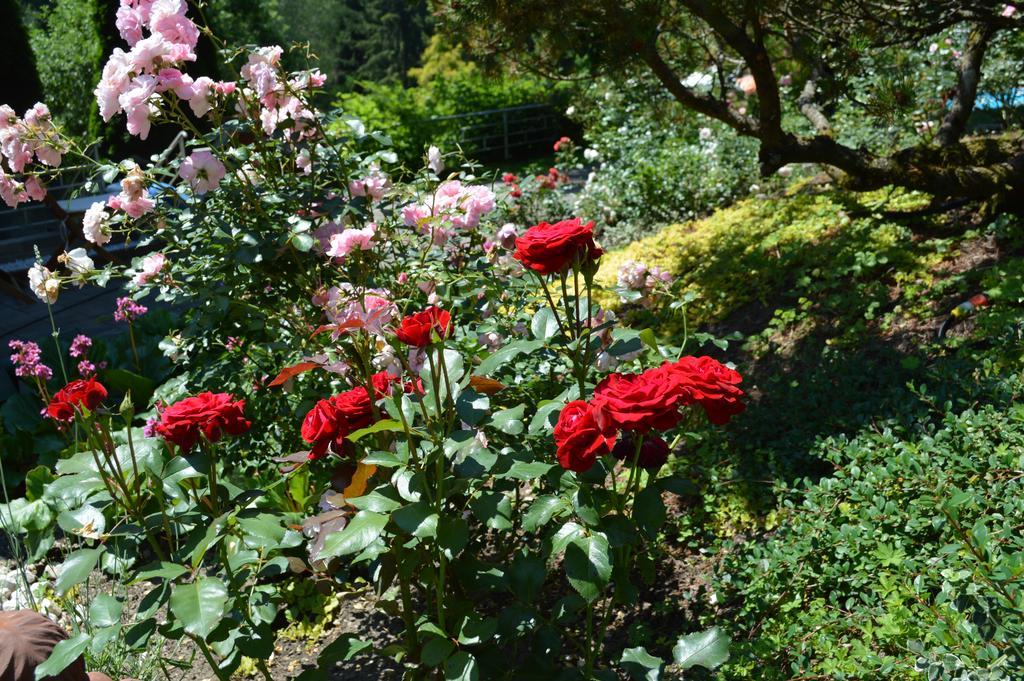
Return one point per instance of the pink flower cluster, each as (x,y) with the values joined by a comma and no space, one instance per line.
(372,186)
(636,276)
(132,81)
(202,170)
(151,266)
(21,140)
(79,350)
(348,308)
(351,239)
(276,96)
(26,360)
(95,227)
(134,198)
(128,310)
(453,206)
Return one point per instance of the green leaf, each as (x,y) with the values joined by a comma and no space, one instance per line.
(640,664)
(86,521)
(541,511)
(544,325)
(76,569)
(708,649)
(472,406)
(494,509)
(375,501)
(364,529)
(649,511)
(527,470)
(587,565)
(302,242)
(36,481)
(209,538)
(461,667)
(105,611)
(22,516)
(126,381)
(62,655)
(436,651)
(384,425)
(137,635)
(506,354)
(567,534)
(649,339)
(417,519)
(200,605)
(541,421)
(509,421)
(452,535)
(163,570)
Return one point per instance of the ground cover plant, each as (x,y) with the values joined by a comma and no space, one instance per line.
(373,378)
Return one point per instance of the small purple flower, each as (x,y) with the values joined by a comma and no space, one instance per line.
(26,360)
(149,430)
(86,368)
(80,346)
(128,310)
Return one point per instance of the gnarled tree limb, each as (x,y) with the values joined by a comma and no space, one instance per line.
(953,125)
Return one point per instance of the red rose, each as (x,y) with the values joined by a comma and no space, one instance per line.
(83,393)
(547,248)
(320,427)
(712,384)
(509,178)
(208,414)
(418,329)
(562,141)
(580,437)
(354,410)
(640,402)
(653,451)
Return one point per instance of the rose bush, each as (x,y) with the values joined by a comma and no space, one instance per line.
(467,428)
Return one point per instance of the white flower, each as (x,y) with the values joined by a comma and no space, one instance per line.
(434,160)
(356,126)
(570,111)
(78,261)
(698,80)
(94,224)
(705,134)
(43,283)
(632,275)
(591,155)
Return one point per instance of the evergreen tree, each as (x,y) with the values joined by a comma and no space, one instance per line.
(21,82)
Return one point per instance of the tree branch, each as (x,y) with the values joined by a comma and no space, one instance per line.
(952,127)
(808,103)
(757,59)
(707,105)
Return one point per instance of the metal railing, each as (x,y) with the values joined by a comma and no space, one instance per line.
(514,128)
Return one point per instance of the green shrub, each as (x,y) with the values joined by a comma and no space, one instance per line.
(65,38)
(404,113)
(908,558)
(657,163)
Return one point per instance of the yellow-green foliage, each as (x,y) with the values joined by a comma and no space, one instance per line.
(761,248)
